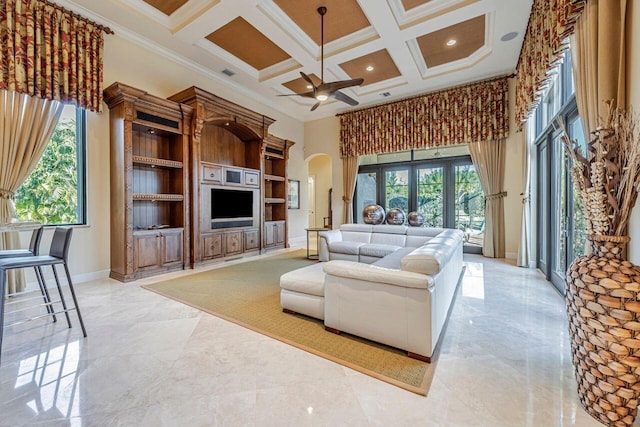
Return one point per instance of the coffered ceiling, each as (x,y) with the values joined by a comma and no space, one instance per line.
(399,47)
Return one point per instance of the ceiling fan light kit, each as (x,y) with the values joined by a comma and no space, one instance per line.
(324,91)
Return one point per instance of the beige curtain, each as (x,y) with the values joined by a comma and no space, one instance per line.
(26,125)
(598,60)
(488,157)
(349,176)
(525,227)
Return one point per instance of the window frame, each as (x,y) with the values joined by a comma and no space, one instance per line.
(81,169)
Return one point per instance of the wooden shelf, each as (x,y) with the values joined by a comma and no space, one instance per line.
(274,178)
(274,200)
(158,197)
(142,160)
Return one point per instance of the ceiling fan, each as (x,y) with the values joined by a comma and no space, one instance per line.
(324,91)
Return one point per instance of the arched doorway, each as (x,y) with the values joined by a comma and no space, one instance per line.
(320,186)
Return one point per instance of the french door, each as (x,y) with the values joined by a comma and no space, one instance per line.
(560,222)
(446,191)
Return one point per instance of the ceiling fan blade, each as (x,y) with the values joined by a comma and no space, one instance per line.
(308,79)
(341,84)
(316,105)
(344,98)
(305,94)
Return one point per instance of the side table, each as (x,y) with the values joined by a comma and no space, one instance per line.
(317,231)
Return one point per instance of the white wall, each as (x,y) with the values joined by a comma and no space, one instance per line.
(323,136)
(133,65)
(320,167)
(513,180)
(633,98)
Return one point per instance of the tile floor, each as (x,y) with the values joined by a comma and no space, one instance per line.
(150,361)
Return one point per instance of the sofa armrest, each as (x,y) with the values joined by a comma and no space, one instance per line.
(372,273)
(326,238)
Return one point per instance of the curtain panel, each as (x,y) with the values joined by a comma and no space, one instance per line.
(50,52)
(550,24)
(489,159)
(26,125)
(598,58)
(465,114)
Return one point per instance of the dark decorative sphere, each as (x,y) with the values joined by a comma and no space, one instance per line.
(395,217)
(415,219)
(373,214)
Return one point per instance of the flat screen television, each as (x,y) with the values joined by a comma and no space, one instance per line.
(227,204)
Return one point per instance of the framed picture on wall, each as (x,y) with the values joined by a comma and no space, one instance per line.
(293,194)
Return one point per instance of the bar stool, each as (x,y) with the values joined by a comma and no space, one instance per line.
(57,255)
(34,249)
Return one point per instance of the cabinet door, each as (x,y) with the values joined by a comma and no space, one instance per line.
(172,250)
(233,242)
(211,246)
(251,240)
(269,234)
(279,233)
(212,173)
(146,251)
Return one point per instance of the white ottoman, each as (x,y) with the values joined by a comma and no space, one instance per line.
(302,291)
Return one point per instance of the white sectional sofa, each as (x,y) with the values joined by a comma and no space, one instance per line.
(387,283)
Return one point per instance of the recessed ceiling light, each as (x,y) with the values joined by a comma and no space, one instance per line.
(509,36)
(451,42)
(309,87)
(369,68)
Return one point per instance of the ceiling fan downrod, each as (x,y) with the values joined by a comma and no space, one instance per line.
(322,10)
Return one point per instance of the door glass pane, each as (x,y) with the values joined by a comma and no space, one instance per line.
(543,205)
(578,227)
(396,189)
(560,211)
(431,195)
(469,205)
(365,193)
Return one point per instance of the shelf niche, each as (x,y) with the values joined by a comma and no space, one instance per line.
(149,142)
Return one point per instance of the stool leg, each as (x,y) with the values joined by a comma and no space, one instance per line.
(44,291)
(75,300)
(2,297)
(64,304)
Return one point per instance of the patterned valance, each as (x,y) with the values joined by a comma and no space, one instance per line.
(50,52)
(464,114)
(550,24)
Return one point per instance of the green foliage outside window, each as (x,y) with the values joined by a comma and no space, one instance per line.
(50,193)
(431,196)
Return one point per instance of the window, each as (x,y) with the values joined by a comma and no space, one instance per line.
(560,222)
(54,192)
(445,190)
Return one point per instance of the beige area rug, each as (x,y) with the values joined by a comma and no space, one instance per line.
(248,294)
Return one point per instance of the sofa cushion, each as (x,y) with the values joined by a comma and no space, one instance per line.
(389,235)
(418,236)
(377,250)
(393,259)
(307,280)
(348,247)
(372,273)
(433,255)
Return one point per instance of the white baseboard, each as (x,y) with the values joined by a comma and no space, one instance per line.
(32,285)
(299,239)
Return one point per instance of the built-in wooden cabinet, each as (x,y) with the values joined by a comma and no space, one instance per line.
(275,155)
(149,183)
(194,178)
(226,152)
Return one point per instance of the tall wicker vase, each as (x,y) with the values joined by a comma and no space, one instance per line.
(603,303)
